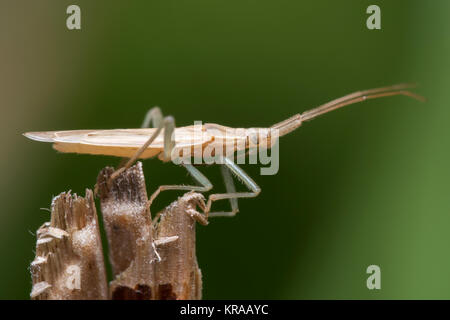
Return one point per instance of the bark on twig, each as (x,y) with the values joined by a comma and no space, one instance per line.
(69,258)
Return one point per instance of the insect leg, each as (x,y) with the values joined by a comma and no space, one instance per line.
(231,192)
(229,185)
(167,122)
(169,139)
(154,117)
(205,186)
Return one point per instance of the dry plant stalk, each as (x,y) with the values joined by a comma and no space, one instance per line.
(177,273)
(149,263)
(69,258)
(128,225)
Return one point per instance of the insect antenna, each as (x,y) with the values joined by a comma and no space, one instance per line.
(399,89)
(295,121)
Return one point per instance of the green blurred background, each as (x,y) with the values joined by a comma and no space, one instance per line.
(364,185)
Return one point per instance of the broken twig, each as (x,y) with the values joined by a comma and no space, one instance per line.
(69,258)
(149,263)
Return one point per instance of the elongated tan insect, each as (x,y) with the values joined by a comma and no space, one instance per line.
(163,139)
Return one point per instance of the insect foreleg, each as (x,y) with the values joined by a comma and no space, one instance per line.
(231,193)
(229,185)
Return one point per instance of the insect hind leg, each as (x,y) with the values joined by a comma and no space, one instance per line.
(153,117)
(168,124)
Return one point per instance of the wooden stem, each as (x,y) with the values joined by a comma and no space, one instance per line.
(69,258)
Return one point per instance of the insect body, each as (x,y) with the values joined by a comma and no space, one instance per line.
(168,143)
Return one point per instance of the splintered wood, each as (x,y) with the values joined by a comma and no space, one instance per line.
(177,272)
(148,260)
(69,257)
